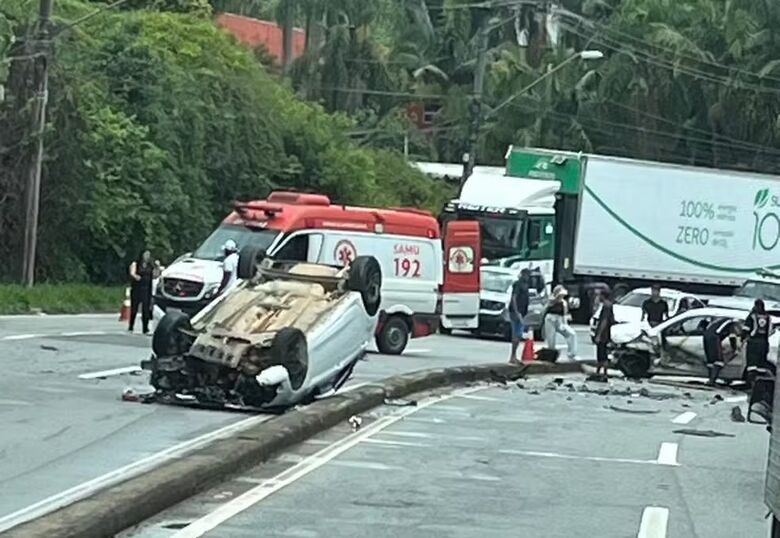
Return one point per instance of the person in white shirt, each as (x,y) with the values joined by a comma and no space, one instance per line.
(230,265)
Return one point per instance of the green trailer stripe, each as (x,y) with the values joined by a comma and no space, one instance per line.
(667,251)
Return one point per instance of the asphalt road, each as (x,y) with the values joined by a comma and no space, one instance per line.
(66,430)
(504,461)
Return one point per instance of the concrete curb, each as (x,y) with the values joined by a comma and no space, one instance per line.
(124,505)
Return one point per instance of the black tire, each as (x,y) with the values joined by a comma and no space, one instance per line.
(445,330)
(365,277)
(538,335)
(290,350)
(168,339)
(248,259)
(620,290)
(393,337)
(634,365)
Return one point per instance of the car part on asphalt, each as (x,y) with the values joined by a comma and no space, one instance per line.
(633,364)
(736,414)
(703,433)
(634,411)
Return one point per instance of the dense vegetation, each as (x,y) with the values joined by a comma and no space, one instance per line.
(159,120)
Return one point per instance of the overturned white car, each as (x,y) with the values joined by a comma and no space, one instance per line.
(291,331)
(676,346)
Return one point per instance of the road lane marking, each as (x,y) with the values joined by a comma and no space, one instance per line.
(684,418)
(556,455)
(394,443)
(736,399)
(108,373)
(414,350)
(654,523)
(15,337)
(667,455)
(87,333)
(416,435)
(311,463)
(121,474)
(369,465)
(480,398)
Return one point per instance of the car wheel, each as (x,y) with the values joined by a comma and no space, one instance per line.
(248,259)
(393,337)
(633,365)
(365,277)
(169,339)
(289,349)
(445,330)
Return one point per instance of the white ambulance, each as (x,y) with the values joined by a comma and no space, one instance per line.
(418,287)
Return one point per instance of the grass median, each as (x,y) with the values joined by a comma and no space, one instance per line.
(60,299)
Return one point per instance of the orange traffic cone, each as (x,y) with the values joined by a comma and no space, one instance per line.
(124,312)
(529,353)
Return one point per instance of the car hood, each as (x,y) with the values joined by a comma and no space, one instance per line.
(623,333)
(486,295)
(627,314)
(207,271)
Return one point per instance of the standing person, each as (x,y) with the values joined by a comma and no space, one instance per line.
(142,273)
(556,322)
(756,330)
(518,309)
(604,333)
(229,265)
(716,332)
(655,309)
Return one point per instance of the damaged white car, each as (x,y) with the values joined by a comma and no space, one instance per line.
(289,332)
(676,346)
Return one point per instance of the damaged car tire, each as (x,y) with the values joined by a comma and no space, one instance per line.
(169,339)
(248,259)
(290,350)
(634,365)
(365,277)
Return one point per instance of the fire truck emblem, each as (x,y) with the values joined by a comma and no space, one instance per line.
(345,252)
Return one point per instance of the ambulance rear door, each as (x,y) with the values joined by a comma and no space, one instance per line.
(460,290)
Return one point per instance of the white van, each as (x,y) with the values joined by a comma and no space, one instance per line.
(307,227)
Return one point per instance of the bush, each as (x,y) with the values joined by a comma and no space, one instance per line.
(60,299)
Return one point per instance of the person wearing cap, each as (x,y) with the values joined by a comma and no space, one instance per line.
(229,265)
(556,322)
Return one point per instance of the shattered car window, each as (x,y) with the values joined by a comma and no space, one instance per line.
(211,248)
(498,282)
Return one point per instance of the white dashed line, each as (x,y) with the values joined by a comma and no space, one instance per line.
(413,350)
(108,373)
(555,455)
(684,418)
(86,333)
(394,443)
(654,522)
(667,455)
(736,399)
(15,337)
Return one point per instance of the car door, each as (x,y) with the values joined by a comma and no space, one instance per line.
(683,345)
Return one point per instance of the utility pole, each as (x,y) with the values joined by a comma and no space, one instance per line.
(39,49)
(475,107)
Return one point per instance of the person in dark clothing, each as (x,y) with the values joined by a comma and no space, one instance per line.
(655,309)
(142,273)
(714,334)
(518,309)
(756,331)
(604,333)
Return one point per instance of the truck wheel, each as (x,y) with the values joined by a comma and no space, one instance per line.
(620,290)
(168,339)
(634,365)
(445,330)
(289,349)
(393,337)
(365,277)
(248,259)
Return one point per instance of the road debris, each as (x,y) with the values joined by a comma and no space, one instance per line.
(49,348)
(736,414)
(398,402)
(715,399)
(634,411)
(355,422)
(703,433)
(131,394)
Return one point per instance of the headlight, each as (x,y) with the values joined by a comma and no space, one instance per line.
(211,292)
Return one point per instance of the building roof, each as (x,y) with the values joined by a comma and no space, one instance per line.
(255,32)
